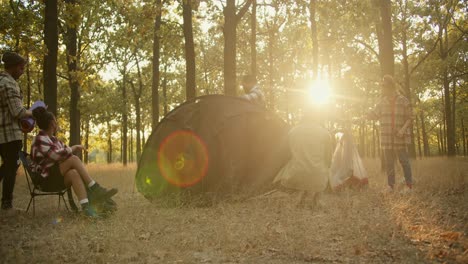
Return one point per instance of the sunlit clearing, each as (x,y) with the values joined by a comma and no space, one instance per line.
(319,92)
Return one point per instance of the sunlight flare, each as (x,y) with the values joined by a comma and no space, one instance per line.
(320,92)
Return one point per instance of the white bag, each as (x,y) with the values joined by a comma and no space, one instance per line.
(347,168)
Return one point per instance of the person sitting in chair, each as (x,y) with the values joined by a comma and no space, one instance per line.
(59,168)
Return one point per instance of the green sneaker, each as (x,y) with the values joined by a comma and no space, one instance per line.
(89,211)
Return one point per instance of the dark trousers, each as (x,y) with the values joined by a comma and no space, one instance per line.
(390,156)
(10,162)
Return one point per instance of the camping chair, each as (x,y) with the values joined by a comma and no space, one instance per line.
(35,189)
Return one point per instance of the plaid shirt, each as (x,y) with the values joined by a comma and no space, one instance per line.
(392,113)
(255,96)
(46,151)
(11,109)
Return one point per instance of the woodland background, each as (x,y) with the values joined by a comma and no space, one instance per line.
(112,69)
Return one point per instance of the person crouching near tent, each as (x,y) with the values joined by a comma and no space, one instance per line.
(395,116)
(308,168)
(59,168)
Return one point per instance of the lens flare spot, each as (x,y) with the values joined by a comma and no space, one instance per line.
(148,181)
(183,158)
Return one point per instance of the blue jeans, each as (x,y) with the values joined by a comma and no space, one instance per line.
(390,156)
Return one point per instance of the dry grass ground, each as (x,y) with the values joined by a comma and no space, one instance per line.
(429,225)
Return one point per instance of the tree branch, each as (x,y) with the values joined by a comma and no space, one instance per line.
(243,10)
(425,56)
(368,47)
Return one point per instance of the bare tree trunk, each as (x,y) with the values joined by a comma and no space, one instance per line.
(424,135)
(109,142)
(124,118)
(385,37)
(253,39)
(190,84)
(164,90)
(231,19)
(86,142)
(130,145)
(28,98)
(374,151)
(418,137)
(50,58)
(314,37)
(440,141)
(464,140)
(412,150)
(156,73)
(230,38)
(72,63)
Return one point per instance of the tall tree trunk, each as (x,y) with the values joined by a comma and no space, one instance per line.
(164,90)
(28,98)
(464,139)
(156,73)
(314,37)
(72,63)
(109,142)
(449,121)
(230,39)
(253,39)
(190,84)
(412,149)
(130,145)
(271,66)
(424,134)
(124,118)
(86,142)
(50,58)
(418,138)
(231,19)
(374,151)
(385,37)
(137,95)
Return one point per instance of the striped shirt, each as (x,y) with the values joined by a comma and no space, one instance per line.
(46,151)
(11,109)
(255,96)
(392,113)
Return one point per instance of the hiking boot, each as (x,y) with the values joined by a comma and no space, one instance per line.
(98,193)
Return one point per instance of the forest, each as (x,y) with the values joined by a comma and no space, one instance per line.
(111,69)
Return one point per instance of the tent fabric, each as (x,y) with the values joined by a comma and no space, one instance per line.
(244,144)
(347,168)
(307,169)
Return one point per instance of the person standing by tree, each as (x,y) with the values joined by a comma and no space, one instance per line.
(11,111)
(395,116)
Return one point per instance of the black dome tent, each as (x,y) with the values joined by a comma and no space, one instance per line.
(213,143)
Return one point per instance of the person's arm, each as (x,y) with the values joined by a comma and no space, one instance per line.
(55,152)
(15,104)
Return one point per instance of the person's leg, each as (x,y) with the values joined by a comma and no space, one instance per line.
(74,163)
(96,192)
(390,166)
(73,179)
(9,153)
(405,164)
